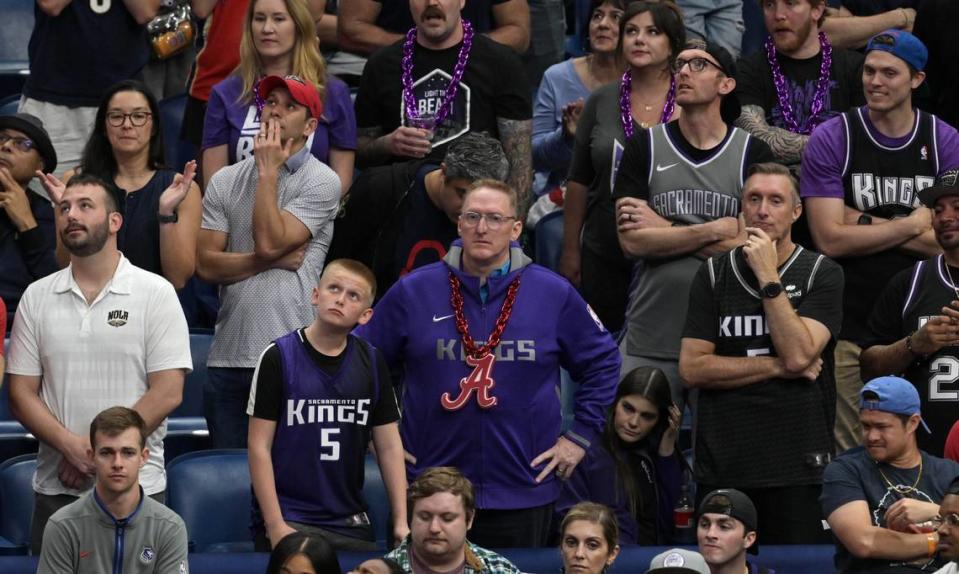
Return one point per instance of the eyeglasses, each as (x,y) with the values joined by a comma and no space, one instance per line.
(697,64)
(138,119)
(22,144)
(952,519)
(493,220)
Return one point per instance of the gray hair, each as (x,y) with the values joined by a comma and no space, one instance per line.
(476,156)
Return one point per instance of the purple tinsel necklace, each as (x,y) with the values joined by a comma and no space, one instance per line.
(461,59)
(625,106)
(822,87)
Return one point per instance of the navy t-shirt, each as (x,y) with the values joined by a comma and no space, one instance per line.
(427,232)
(89,46)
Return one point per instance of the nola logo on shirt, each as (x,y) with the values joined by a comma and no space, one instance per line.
(117,317)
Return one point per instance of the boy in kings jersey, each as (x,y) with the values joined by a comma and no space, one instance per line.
(318,394)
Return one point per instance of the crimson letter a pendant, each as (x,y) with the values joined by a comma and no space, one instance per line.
(480,380)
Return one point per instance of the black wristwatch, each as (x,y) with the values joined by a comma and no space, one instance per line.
(771,290)
(168,218)
(864,219)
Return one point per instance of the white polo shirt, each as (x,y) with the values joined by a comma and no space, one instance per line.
(92,357)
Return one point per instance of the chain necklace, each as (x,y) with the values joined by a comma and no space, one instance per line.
(902,489)
(407,64)
(782,95)
(625,103)
(456,300)
(952,281)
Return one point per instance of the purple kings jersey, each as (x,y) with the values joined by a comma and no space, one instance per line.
(322,434)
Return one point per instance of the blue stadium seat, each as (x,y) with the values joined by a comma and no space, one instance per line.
(210,490)
(378,503)
(177,152)
(9,106)
(16,504)
(16,26)
(549,240)
(192,405)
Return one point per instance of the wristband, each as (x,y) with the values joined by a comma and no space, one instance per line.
(932,542)
(909,344)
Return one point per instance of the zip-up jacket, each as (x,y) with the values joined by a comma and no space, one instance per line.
(453,415)
(83,537)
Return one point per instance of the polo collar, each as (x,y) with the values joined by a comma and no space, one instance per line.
(119,284)
(296,161)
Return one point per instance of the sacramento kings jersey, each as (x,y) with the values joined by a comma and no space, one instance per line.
(883,182)
(322,434)
(684,191)
(911,299)
(776,432)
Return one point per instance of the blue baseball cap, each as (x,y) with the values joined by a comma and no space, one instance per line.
(902,45)
(895,395)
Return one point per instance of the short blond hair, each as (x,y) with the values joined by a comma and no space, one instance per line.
(357,268)
(443,479)
(496,185)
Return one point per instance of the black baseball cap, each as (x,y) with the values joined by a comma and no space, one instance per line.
(733,503)
(946,184)
(731,107)
(32,127)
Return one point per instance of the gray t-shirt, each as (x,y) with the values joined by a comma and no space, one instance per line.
(82,538)
(270,304)
(596,154)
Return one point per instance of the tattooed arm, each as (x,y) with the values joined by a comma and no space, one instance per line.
(373,148)
(787,146)
(516,137)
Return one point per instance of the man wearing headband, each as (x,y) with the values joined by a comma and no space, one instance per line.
(862,172)
(267,224)
(914,327)
(726,530)
(881,499)
(948,521)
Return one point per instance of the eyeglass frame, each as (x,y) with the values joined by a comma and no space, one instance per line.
(18,142)
(123,118)
(679,63)
(952,519)
(494,221)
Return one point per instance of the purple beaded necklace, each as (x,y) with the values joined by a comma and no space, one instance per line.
(822,87)
(461,59)
(625,105)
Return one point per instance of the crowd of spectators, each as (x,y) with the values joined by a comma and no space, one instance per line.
(758,251)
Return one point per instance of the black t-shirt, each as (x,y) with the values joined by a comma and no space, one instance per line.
(632,178)
(935,26)
(269,383)
(426,233)
(776,432)
(395,16)
(908,301)
(754,85)
(873,7)
(494,86)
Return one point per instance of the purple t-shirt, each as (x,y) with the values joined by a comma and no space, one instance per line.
(235,124)
(825,155)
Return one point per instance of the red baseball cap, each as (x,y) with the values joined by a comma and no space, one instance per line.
(302,92)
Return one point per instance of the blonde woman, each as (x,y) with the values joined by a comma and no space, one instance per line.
(279,38)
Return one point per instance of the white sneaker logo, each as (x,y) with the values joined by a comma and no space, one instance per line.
(664,167)
(438,319)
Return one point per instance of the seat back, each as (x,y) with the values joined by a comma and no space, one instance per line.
(15,29)
(16,503)
(210,490)
(549,240)
(192,404)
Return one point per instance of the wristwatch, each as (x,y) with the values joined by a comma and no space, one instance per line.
(168,218)
(864,219)
(771,290)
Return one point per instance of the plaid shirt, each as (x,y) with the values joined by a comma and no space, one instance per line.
(478,560)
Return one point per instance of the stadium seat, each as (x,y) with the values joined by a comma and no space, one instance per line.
(177,152)
(16,503)
(210,490)
(16,25)
(9,106)
(192,405)
(378,503)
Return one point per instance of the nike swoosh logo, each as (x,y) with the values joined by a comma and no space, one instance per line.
(664,167)
(438,319)
(84,554)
